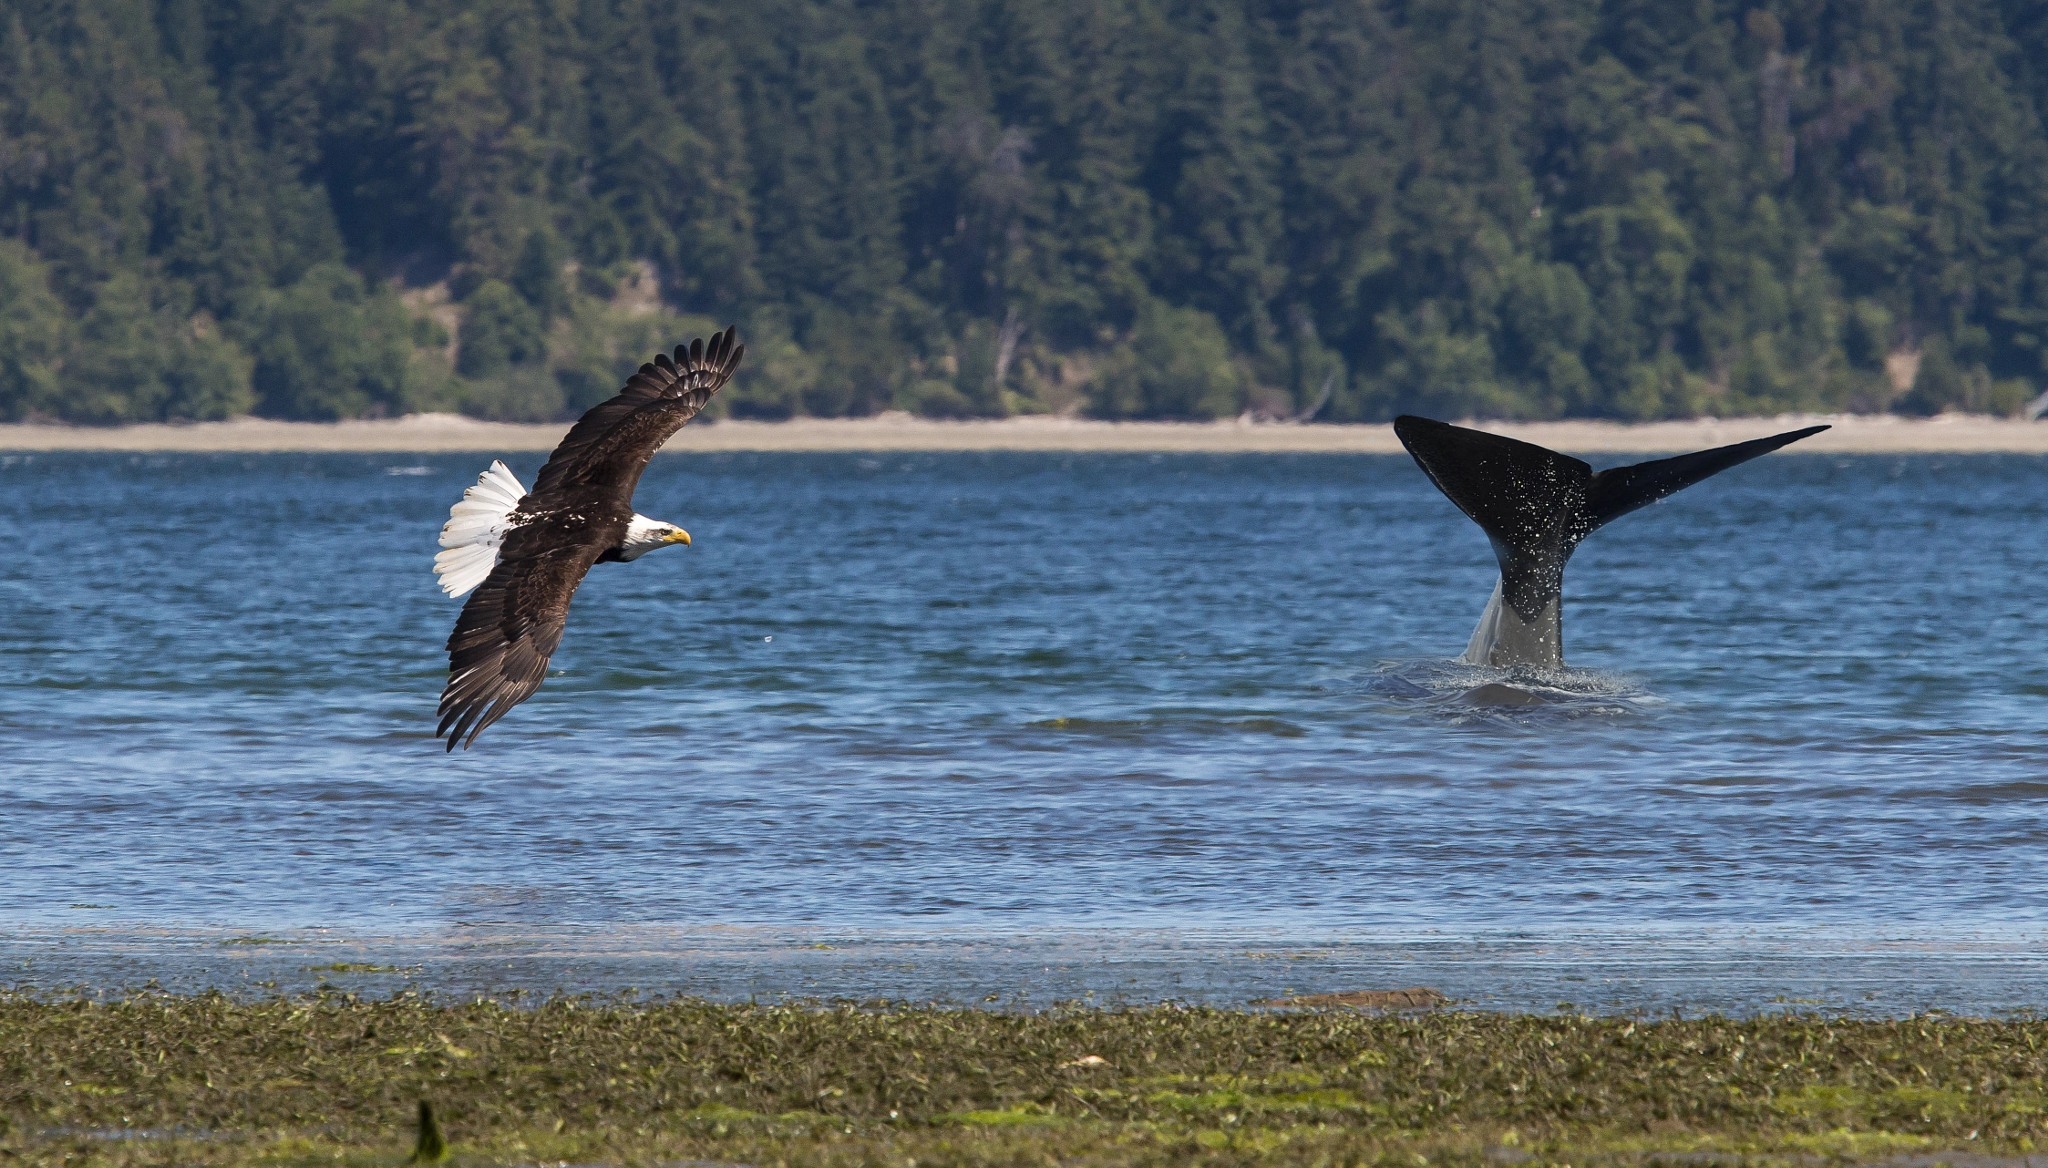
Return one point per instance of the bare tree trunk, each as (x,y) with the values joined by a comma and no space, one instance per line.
(1006,342)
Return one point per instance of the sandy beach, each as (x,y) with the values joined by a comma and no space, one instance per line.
(430,433)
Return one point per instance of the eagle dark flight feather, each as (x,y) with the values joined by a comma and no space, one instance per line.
(578,511)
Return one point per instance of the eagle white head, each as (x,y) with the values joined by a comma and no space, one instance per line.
(643,535)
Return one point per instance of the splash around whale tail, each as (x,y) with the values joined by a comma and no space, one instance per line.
(1535,506)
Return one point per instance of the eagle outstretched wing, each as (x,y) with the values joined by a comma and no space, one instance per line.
(509,628)
(604,453)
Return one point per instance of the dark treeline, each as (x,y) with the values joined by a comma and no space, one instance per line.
(1134,208)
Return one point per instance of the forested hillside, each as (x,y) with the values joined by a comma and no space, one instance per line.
(1132,208)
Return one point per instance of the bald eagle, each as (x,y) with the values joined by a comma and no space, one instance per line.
(524,552)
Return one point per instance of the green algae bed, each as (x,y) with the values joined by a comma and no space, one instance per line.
(148,1079)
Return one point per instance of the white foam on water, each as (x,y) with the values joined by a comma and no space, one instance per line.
(1457,690)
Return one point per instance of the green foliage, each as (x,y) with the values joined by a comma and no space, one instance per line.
(136,359)
(596,350)
(538,278)
(977,380)
(499,328)
(32,340)
(428,333)
(1508,209)
(775,378)
(327,348)
(1949,381)
(336,1079)
(1177,364)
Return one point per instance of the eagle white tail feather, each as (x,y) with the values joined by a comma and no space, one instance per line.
(475,528)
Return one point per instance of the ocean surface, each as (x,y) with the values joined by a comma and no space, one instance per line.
(898,698)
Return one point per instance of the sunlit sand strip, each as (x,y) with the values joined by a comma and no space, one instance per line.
(430,433)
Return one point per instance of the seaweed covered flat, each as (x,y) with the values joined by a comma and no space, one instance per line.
(329,1079)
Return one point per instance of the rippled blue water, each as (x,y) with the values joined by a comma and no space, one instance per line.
(1028,691)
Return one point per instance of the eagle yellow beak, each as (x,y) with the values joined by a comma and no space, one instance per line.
(681,537)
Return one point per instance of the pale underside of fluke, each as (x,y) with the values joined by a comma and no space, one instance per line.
(1535,506)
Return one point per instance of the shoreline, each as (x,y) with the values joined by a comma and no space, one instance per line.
(324,1045)
(453,433)
(1735,971)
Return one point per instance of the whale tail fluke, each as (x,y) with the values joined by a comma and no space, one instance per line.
(1535,505)
(1618,491)
(1515,491)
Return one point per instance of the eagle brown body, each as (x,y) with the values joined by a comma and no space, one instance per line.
(576,515)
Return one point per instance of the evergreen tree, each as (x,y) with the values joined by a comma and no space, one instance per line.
(1532,208)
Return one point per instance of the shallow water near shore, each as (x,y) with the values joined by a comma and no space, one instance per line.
(1034,694)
